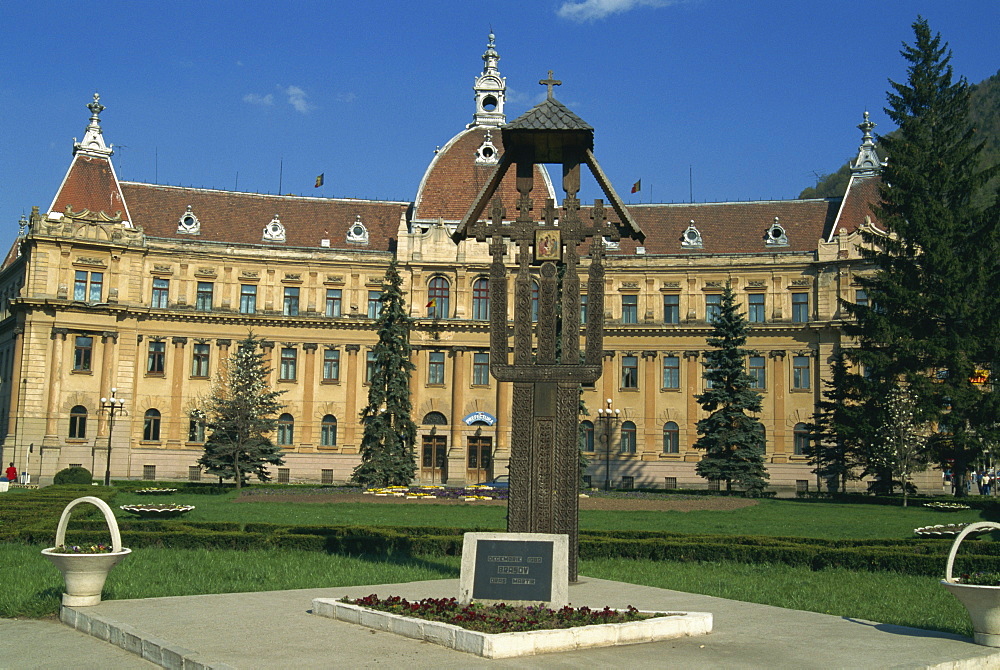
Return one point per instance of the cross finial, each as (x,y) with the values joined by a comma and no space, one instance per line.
(550,82)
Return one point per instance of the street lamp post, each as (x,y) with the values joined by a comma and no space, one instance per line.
(609,417)
(114,407)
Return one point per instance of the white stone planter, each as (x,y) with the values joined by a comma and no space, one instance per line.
(511,645)
(85,574)
(982,602)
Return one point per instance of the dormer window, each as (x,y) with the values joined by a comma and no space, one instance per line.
(691,239)
(274,231)
(775,235)
(188,224)
(357,233)
(486,154)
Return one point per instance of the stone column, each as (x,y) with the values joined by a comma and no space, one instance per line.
(55,384)
(780,376)
(351,397)
(176,428)
(307,436)
(649,394)
(459,384)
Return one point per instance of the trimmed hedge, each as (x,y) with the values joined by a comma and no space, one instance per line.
(41,508)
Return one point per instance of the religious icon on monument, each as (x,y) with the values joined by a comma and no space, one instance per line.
(547,245)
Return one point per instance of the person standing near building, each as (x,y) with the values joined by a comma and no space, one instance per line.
(11,472)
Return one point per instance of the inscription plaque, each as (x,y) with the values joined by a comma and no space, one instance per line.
(513,570)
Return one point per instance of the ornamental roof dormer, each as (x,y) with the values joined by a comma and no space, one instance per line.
(867,162)
(491,90)
(93,138)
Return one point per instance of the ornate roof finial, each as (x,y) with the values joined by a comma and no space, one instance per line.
(93,138)
(490,90)
(867,162)
(550,82)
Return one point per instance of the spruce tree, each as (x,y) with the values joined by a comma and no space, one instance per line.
(240,417)
(931,321)
(732,439)
(837,434)
(387,446)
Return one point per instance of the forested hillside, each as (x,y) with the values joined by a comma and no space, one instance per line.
(985,115)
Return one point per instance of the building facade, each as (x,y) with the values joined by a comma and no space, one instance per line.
(144,289)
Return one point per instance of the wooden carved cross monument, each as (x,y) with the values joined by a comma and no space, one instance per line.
(547,367)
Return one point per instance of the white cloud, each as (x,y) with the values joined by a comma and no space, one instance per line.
(297,99)
(255,99)
(350,96)
(592,10)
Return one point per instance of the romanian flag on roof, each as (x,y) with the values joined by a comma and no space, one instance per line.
(636,187)
(319,180)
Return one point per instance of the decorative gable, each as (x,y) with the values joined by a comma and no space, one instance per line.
(775,235)
(691,239)
(188,224)
(357,233)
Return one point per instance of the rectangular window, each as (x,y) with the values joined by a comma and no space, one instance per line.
(248,299)
(671,308)
(671,372)
(670,482)
(374,304)
(755,303)
(757,371)
(149,472)
(801,485)
(583,309)
(199,360)
(291,306)
(630,309)
(480,369)
(331,365)
(194,473)
(628,482)
(800,372)
(154,358)
(713,306)
(800,307)
(588,481)
(88,286)
(196,431)
(326,476)
(435,367)
(630,372)
(289,363)
(161,290)
(283,475)
(333,301)
(203,297)
(861,297)
(83,347)
(369,367)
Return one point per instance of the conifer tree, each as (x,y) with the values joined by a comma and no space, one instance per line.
(240,417)
(387,446)
(732,439)
(932,316)
(837,433)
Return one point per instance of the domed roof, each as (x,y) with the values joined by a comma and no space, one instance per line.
(460,169)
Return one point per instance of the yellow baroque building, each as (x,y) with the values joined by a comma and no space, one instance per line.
(140,290)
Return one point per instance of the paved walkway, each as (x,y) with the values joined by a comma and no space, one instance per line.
(275,630)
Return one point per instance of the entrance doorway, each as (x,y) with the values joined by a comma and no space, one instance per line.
(480,459)
(434,463)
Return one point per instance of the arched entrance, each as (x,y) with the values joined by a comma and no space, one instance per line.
(479,455)
(434,450)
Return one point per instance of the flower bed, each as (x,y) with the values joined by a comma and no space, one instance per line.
(438,492)
(946,506)
(155,492)
(82,549)
(159,511)
(948,530)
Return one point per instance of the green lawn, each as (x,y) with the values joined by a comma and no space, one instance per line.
(768,517)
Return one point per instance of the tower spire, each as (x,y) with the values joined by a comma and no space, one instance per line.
(490,89)
(867,162)
(93,138)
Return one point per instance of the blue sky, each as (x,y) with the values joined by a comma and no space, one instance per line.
(750,99)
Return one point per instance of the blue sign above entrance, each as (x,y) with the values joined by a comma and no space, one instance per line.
(483,417)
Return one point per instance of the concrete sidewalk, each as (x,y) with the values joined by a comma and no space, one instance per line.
(275,630)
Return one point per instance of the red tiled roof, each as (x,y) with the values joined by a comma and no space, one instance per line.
(90,184)
(239,218)
(453,179)
(862,193)
(732,227)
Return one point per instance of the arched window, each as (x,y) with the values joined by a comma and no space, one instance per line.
(587,435)
(801,437)
(628,437)
(328,435)
(534,301)
(435,419)
(671,438)
(151,426)
(286,430)
(438,291)
(78,423)
(481,299)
